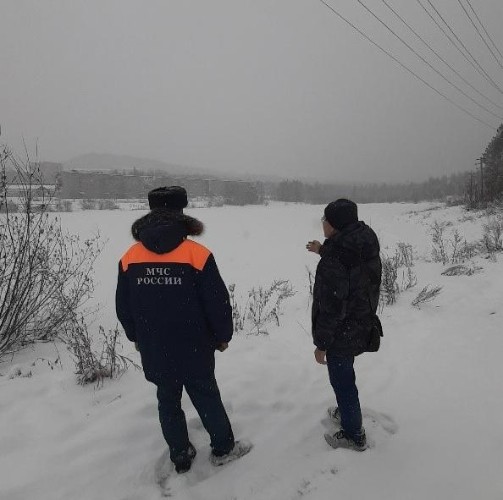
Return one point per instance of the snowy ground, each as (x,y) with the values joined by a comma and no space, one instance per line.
(432,395)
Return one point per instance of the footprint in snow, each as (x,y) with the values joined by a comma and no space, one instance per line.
(163,471)
(374,419)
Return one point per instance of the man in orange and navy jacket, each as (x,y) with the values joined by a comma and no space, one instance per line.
(173,303)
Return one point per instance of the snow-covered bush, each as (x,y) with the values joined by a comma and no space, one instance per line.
(45,273)
(427,294)
(92,365)
(262,306)
(403,260)
(310,279)
(239,311)
(389,283)
(265,304)
(409,278)
(461,270)
(404,255)
(439,250)
(468,250)
(492,235)
(453,250)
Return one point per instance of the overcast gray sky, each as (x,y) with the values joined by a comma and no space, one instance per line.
(281,87)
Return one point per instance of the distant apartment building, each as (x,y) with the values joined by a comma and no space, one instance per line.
(77,184)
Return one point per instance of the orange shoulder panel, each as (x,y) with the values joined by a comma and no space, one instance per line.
(188,252)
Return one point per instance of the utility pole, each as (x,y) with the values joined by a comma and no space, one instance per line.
(471,194)
(481,163)
(481,178)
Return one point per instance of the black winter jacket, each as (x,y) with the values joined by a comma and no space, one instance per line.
(170,298)
(346,290)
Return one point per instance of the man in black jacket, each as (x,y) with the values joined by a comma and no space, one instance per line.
(174,305)
(345,299)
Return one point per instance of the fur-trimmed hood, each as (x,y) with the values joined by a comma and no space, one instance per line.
(162,230)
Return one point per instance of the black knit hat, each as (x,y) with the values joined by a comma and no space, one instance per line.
(341,213)
(170,197)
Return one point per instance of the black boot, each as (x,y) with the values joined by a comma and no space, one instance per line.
(183,461)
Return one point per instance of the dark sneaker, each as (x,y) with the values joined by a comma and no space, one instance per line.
(183,462)
(334,414)
(341,440)
(240,449)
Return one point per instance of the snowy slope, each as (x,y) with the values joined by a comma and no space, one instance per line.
(431,396)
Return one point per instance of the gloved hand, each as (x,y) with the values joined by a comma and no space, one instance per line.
(223,346)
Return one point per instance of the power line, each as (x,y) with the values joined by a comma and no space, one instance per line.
(442,29)
(426,62)
(405,67)
(439,56)
(484,72)
(480,34)
(457,38)
(483,27)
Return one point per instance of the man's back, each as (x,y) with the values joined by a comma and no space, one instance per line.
(171,298)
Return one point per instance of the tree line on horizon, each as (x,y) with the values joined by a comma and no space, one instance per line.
(474,189)
(485,184)
(444,188)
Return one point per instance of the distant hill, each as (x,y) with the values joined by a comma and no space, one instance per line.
(106,162)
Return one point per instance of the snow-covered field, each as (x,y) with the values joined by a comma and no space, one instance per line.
(432,396)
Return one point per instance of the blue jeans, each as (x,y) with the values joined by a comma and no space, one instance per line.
(343,380)
(206,399)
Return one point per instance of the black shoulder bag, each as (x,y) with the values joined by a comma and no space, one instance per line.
(376,331)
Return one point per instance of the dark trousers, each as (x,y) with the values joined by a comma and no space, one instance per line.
(206,399)
(343,380)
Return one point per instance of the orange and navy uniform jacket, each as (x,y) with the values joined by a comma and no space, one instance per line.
(171,300)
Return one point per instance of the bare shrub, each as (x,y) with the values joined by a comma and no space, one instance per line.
(265,304)
(79,343)
(390,288)
(468,251)
(427,294)
(492,235)
(409,279)
(461,270)
(439,251)
(456,244)
(492,209)
(404,255)
(389,284)
(45,273)
(455,249)
(310,279)
(92,366)
(239,311)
